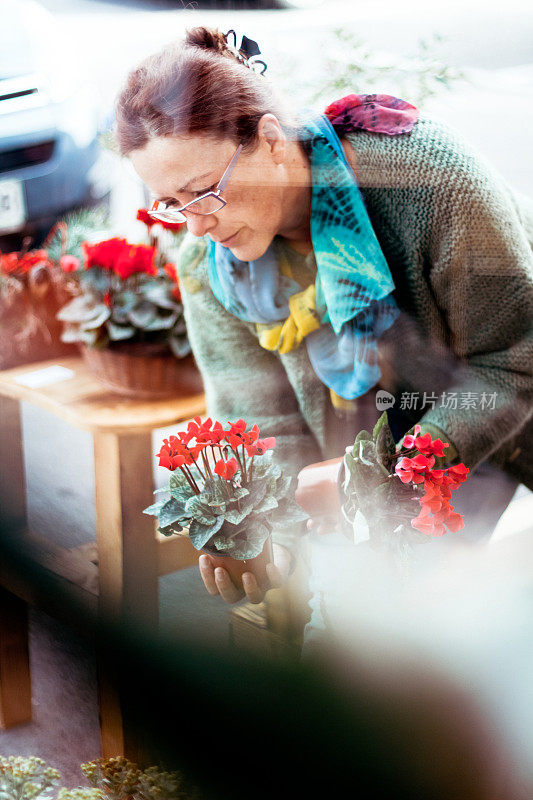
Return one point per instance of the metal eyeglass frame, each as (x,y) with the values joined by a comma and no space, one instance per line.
(177,215)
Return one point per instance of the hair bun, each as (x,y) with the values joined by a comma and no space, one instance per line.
(208,39)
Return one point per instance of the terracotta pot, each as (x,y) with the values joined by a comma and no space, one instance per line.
(317,491)
(143,370)
(256,565)
(42,344)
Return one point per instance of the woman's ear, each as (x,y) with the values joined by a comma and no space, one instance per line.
(271,133)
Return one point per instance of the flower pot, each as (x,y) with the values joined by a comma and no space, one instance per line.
(143,370)
(318,489)
(30,331)
(256,565)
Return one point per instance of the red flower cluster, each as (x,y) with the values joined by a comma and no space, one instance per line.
(144,216)
(11,263)
(183,450)
(175,452)
(120,257)
(436,511)
(238,436)
(424,444)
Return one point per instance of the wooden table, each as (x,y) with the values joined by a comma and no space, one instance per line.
(116,581)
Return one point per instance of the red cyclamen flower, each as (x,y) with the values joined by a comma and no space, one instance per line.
(119,255)
(424,444)
(409,440)
(171,226)
(413,469)
(456,475)
(238,435)
(174,454)
(259,447)
(436,513)
(226,469)
(11,263)
(428,446)
(434,525)
(103,254)
(137,258)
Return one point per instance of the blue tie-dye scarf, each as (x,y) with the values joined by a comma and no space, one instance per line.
(353,283)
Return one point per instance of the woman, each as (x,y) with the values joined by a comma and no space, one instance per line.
(338,256)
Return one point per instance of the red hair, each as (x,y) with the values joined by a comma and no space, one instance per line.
(195,86)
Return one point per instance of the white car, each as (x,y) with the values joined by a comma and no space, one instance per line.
(50,159)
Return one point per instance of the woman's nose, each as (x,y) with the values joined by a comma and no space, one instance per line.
(200,224)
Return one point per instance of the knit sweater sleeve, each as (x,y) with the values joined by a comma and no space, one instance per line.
(241,379)
(482,280)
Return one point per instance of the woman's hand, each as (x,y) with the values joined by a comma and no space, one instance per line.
(217,580)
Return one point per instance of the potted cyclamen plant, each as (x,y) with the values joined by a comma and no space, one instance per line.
(31,292)
(226,494)
(127,318)
(403,498)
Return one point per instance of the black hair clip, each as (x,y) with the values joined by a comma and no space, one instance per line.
(247,51)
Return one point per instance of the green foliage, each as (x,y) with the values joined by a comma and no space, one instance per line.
(352,65)
(114,306)
(372,488)
(171,512)
(200,534)
(356,67)
(244,543)
(142,309)
(80,225)
(230,517)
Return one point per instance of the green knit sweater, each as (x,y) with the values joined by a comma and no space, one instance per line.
(456,243)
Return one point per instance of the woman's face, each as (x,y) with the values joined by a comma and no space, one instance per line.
(260,193)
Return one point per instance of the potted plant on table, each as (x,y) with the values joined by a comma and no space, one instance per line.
(226,494)
(33,288)
(31,292)
(403,499)
(127,318)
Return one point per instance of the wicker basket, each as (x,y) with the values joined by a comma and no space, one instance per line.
(145,371)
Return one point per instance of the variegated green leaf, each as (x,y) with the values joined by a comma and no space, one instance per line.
(171,512)
(155,509)
(119,332)
(200,534)
(235,515)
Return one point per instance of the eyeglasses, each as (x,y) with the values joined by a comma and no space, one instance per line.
(208,203)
